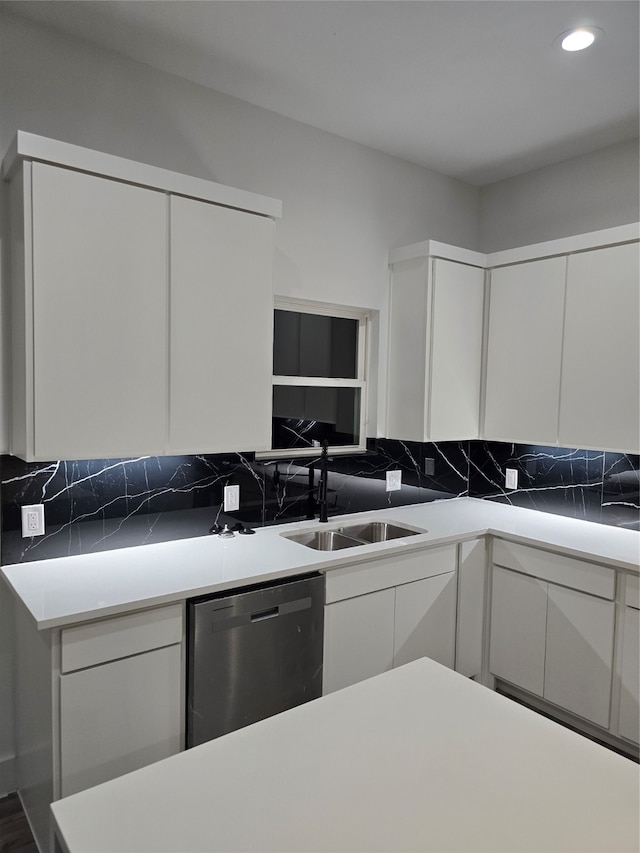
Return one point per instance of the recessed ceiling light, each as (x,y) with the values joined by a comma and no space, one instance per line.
(579,38)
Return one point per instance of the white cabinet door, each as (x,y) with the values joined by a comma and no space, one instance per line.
(221,329)
(600,399)
(579,653)
(456,347)
(425,620)
(518,624)
(435,344)
(407,384)
(118,717)
(99,317)
(629,724)
(358,639)
(526,309)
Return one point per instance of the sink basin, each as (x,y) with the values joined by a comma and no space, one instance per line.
(325,540)
(378,531)
(352,535)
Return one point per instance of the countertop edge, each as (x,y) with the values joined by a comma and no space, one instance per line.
(460,524)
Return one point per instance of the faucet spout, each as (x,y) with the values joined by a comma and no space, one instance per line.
(322,485)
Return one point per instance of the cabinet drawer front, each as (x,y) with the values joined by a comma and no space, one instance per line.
(567,571)
(632,591)
(392,571)
(110,639)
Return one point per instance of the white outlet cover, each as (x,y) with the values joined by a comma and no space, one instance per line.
(511,478)
(231,498)
(394,481)
(32,520)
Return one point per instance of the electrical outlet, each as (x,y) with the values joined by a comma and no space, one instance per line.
(429,466)
(32,520)
(394,481)
(231,498)
(511,478)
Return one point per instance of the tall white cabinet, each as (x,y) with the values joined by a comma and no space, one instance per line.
(435,343)
(142,308)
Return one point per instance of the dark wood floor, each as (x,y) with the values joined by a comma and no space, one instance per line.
(15,835)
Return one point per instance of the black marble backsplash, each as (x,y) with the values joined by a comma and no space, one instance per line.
(591,484)
(100,505)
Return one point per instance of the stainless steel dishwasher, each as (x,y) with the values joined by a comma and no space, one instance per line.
(253,653)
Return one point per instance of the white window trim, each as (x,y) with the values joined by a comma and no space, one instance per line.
(331,310)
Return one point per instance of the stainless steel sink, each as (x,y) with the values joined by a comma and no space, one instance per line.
(378,531)
(352,535)
(324,540)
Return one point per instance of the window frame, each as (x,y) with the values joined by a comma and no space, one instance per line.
(362,316)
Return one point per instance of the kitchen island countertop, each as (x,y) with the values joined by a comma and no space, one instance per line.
(68,590)
(418,758)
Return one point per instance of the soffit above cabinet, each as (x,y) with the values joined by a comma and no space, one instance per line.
(29,146)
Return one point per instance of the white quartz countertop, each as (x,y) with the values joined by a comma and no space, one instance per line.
(416,759)
(67,590)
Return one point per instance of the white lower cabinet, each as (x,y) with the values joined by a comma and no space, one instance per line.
(120,695)
(369,633)
(118,717)
(425,621)
(93,701)
(629,720)
(358,639)
(579,653)
(550,640)
(518,619)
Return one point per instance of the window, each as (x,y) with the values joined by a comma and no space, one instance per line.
(319,388)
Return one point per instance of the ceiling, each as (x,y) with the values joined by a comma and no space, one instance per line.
(475,89)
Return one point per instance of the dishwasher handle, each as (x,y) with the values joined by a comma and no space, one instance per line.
(261,615)
(223,619)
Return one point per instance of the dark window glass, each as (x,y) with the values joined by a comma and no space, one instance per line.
(314,345)
(302,415)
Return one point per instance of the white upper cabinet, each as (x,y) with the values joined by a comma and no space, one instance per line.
(221,329)
(141,319)
(435,345)
(97,324)
(526,310)
(600,394)
(563,343)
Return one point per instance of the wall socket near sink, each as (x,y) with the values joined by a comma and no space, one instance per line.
(32,520)
(394,481)
(231,498)
(511,478)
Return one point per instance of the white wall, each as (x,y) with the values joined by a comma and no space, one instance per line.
(587,193)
